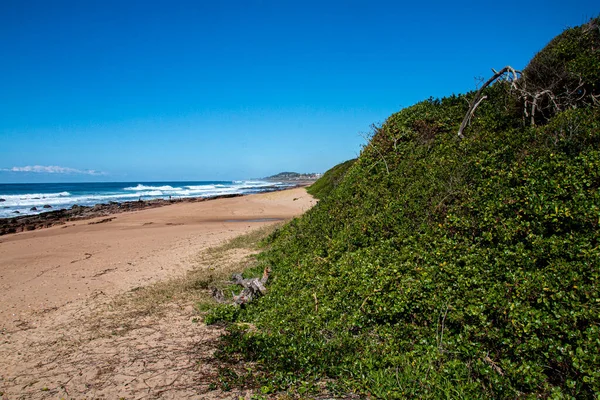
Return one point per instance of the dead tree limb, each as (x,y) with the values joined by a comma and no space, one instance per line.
(468,117)
(218,295)
(492,364)
(536,98)
(479,98)
(251,289)
(556,101)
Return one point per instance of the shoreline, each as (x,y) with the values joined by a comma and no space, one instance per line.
(44,269)
(106,310)
(47,219)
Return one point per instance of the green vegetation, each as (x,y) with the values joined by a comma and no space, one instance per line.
(292,176)
(330,180)
(447,268)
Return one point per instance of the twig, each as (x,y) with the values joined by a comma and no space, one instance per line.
(494,366)
(478,98)
(367,298)
(440,333)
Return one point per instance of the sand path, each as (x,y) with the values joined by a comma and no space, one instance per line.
(52,280)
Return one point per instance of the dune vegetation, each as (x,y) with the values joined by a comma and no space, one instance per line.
(330,180)
(441,266)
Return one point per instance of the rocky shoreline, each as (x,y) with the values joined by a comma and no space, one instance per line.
(77,213)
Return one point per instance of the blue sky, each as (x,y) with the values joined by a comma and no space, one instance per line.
(200,90)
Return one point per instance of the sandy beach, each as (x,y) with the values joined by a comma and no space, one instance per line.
(50,276)
(44,269)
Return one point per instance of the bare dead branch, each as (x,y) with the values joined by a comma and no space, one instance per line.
(252,289)
(440,332)
(510,71)
(494,366)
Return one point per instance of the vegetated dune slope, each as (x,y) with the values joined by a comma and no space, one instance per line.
(447,267)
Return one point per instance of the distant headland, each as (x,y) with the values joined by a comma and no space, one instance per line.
(294,177)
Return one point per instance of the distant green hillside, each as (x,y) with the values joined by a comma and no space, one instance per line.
(293,176)
(442,267)
(330,180)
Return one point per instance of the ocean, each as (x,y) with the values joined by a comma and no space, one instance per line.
(30,198)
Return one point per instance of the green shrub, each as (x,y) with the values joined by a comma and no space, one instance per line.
(222,313)
(445,268)
(569,68)
(330,179)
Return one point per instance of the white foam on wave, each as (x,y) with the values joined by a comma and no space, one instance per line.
(24,202)
(144,187)
(201,187)
(255,183)
(206,192)
(18,199)
(15,201)
(112,197)
(258,185)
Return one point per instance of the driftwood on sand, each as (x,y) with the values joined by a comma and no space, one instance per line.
(251,289)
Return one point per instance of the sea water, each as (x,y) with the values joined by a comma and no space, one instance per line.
(22,197)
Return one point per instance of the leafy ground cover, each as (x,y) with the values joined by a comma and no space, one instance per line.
(447,268)
(330,180)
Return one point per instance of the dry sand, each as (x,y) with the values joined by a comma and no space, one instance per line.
(53,280)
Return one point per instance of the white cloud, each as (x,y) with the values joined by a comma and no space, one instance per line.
(52,169)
